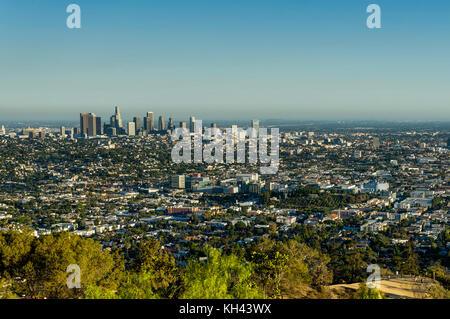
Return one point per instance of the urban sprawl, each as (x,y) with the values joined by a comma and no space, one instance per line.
(360,195)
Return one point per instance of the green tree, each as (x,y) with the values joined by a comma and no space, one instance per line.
(365,292)
(410,263)
(437,291)
(220,277)
(439,272)
(306,264)
(42,265)
(15,248)
(153,261)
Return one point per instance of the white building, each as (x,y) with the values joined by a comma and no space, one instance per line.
(131,129)
(178,181)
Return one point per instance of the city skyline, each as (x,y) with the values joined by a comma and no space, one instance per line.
(91,125)
(252,154)
(293,60)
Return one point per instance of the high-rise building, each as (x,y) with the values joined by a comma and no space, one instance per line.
(191,124)
(255,125)
(62,131)
(98,125)
(92,125)
(178,181)
(234,132)
(119,122)
(161,124)
(84,123)
(131,129)
(234,129)
(254,188)
(213,125)
(137,124)
(183,124)
(149,122)
(3,131)
(171,124)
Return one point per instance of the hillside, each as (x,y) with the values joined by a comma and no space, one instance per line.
(395,288)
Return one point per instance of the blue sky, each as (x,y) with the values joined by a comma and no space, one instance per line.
(302,59)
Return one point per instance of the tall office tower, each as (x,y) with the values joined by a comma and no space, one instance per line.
(149,122)
(183,124)
(84,123)
(119,122)
(255,125)
(191,124)
(137,124)
(213,125)
(161,124)
(234,132)
(178,181)
(98,125)
(3,131)
(171,126)
(131,129)
(62,131)
(92,125)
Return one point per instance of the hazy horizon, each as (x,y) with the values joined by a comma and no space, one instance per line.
(266,121)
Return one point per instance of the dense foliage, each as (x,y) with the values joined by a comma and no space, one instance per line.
(35,267)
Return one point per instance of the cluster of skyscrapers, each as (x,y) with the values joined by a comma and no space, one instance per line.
(91,125)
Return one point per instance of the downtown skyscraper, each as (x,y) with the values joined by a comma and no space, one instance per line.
(171,126)
(255,125)
(90,124)
(116,119)
(137,124)
(131,129)
(149,122)
(84,117)
(161,124)
(191,124)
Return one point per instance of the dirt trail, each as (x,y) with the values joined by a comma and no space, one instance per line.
(396,288)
